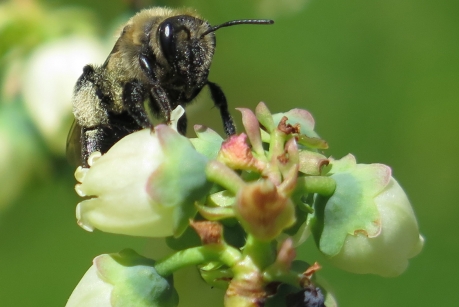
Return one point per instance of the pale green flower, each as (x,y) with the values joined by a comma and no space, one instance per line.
(145,185)
(123,279)
(368,224)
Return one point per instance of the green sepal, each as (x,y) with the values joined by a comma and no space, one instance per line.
(264,117)
(311,163)
(216,274)
(312,142)
(215,213)
(222,199)
(351,209)
(135,281)
(207,142)
(301,117)
(181,179)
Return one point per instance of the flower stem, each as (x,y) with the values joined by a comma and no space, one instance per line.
(276,149)
(221,174)
(288,277)
(247,287)
(261,252)
(198,255)
(322,185)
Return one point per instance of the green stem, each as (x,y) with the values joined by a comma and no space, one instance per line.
(276,149)
(276,146)
(260,252)
(322,185)
(287,277)
(221,174)
(198,255)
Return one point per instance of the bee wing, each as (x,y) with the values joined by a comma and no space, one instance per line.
(73,147)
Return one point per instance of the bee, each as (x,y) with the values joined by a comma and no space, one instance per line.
(160,60)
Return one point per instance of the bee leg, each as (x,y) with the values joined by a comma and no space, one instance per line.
(158,96)
(159,99)
(220,102)
(159,104)
(133,98)
(91,139)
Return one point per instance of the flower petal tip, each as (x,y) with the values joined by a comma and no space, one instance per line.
(80,222)
(176,114)
(80,173)
(79,190)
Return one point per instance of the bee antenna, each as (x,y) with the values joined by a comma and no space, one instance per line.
(238,22)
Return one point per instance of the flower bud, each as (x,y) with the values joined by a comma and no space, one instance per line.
(299,117)
(367,225)
(263,211)
(311,163)
(236,153)
(124,279)
(145,185)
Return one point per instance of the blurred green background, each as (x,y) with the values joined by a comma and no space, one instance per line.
(380,77)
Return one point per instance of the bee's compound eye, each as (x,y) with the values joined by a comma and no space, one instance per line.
(167,39)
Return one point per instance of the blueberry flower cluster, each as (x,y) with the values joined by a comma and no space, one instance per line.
(250,201)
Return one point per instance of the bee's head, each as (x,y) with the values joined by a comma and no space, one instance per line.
(188,44)
(188,53)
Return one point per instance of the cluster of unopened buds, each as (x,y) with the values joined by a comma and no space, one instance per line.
(250,201)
